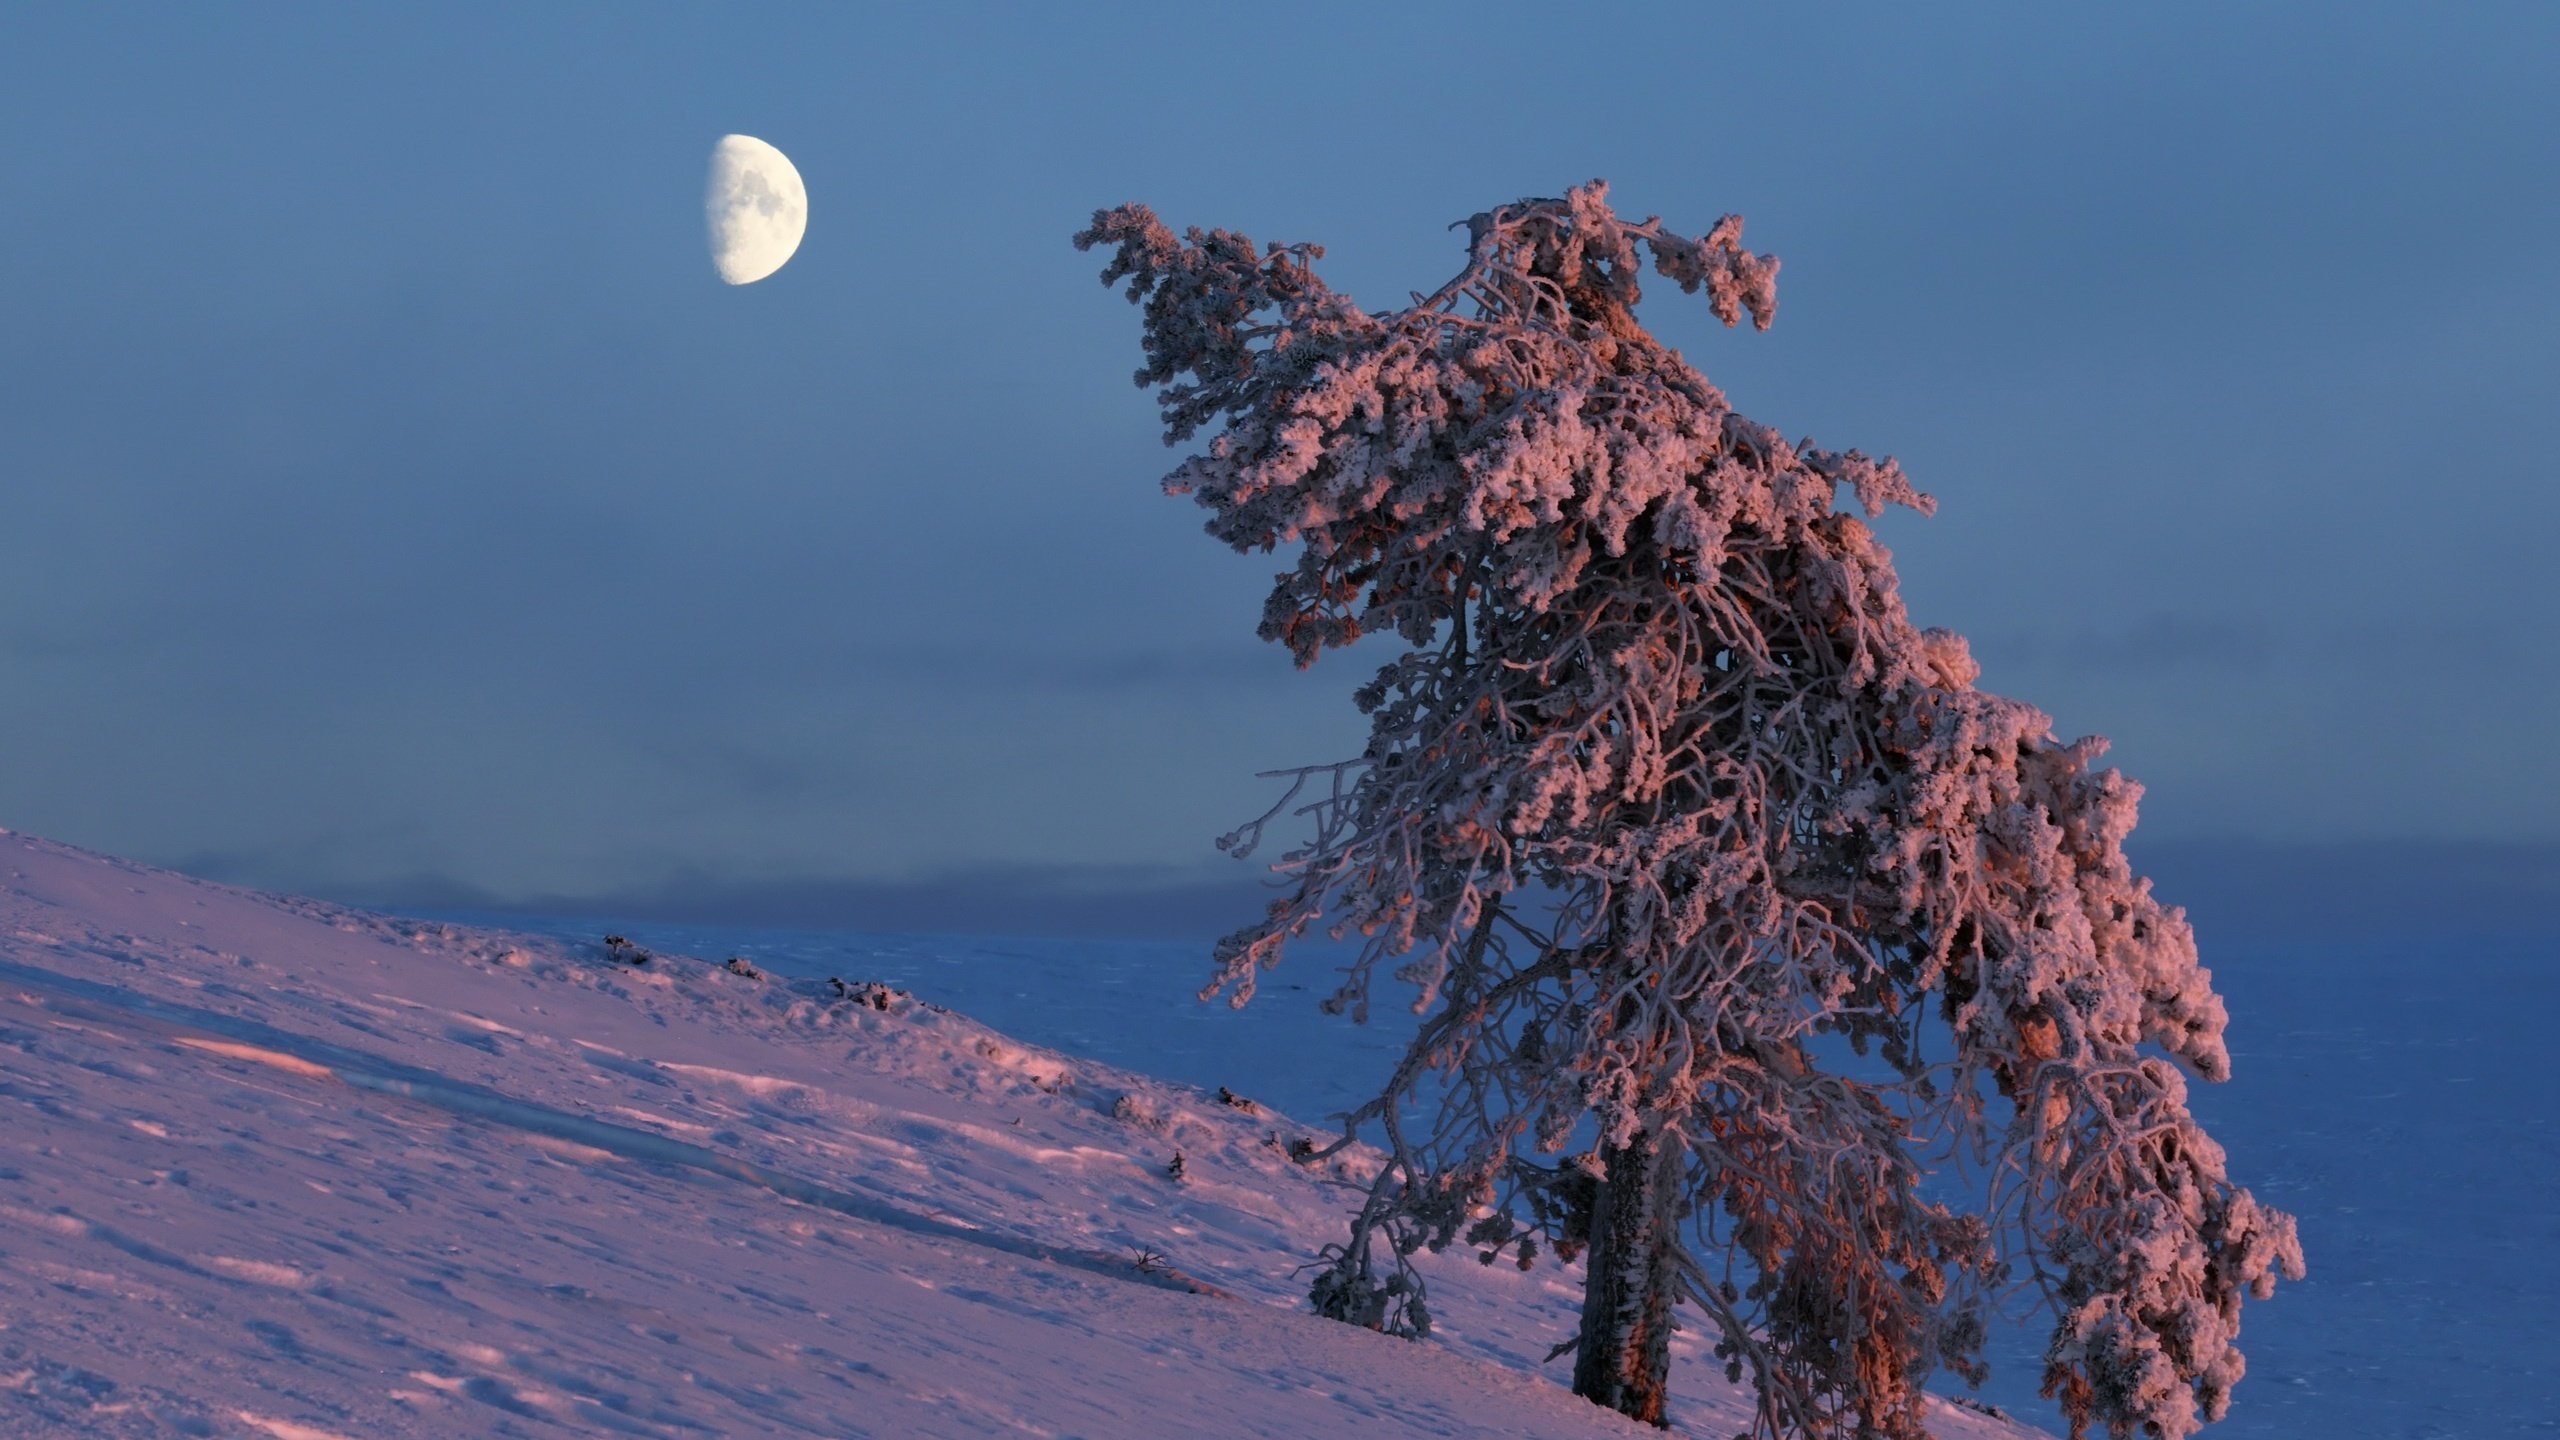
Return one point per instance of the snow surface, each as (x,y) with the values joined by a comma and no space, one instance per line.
(274,1168)
(2392,1090)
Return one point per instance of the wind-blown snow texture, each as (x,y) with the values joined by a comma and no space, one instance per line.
(273,1168)
(2391,1093)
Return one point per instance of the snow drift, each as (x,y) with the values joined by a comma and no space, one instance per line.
(275,1168)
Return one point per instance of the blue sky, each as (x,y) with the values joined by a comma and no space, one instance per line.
(400,508)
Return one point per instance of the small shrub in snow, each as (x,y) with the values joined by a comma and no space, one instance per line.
(1666,804)
(885,998)
(1346,1296)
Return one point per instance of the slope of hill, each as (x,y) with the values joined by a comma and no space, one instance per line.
(275,1168)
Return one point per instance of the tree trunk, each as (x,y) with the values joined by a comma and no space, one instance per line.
(1624,1358)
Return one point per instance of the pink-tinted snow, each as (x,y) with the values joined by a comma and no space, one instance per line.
(273,1168)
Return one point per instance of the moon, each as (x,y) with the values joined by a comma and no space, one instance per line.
(756,207)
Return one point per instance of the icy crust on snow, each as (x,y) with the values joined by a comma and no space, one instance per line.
(275,1168)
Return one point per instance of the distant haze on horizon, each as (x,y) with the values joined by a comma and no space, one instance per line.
(402,509)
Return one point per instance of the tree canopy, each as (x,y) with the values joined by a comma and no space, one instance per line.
(1739,919)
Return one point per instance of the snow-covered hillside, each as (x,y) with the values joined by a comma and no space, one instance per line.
(274,1168)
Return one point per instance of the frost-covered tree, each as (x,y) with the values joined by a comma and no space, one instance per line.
(1740,920)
